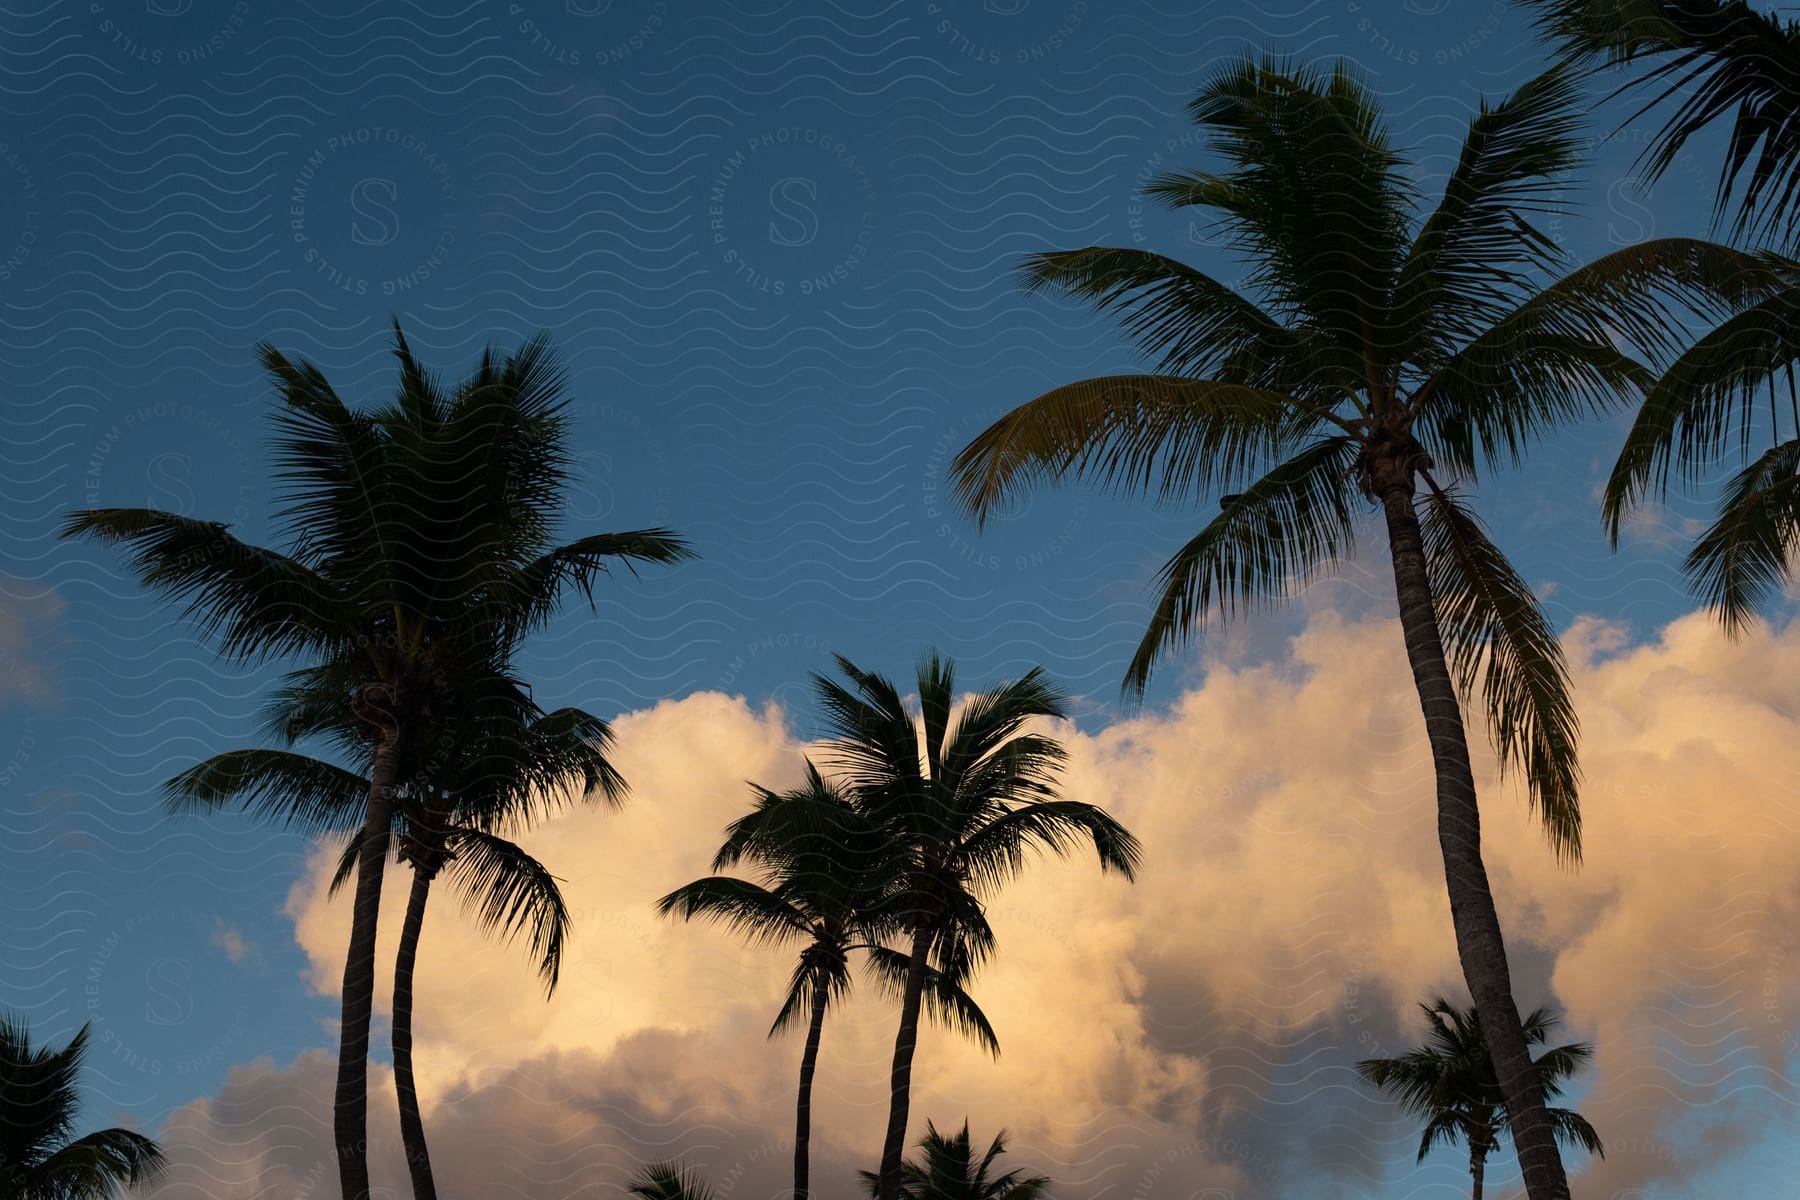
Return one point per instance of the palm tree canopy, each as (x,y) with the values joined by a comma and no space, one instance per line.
(40,1158)
(1375,346)
(420,534)
(825,878)
(1450,1082)
(961,795)
(1706,62)
(950,1171)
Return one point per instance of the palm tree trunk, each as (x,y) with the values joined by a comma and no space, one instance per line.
(412,1125)
(1477,1167)
(1478,940)
(350,1115)
(809,1060)
(888,1181)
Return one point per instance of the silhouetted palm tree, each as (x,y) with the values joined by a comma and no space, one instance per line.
(1449,1082)
(1379,356)
(420,541)
(960,811)
(40,1156)
(826,877)
(950,1171)
(498,764)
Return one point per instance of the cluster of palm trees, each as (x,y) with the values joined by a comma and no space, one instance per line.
(933,811)
(1380,357)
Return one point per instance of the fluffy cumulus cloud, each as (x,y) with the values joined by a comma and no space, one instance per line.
(1189,1036)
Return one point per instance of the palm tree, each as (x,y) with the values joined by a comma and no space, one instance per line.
(1449,1082)
(40,1159)
(1374,353)
(507,764)
(826,877)
(959,812)
(950,1172)
(420,540)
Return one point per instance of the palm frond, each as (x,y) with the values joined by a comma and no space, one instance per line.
(748,910)
(945,1001)
(1479,247)
(996,851)
(1708,399)
(1268,539)
(509,891)
(668,1181)
(1496,636)
(1318,203)
(1725,62)
(1747,553)
(1577,348)
(1167,435)
(1191,323)
(298,790)
(253,601)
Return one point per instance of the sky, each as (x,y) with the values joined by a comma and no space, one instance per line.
(775,244)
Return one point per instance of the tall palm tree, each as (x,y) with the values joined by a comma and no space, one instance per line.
(40,1158)
(826,877)
(1377,358)
(1449,1082)
(506,765)
(960,811)
(950,1171)
(420,540)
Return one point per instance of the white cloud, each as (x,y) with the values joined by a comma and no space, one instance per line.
(1193,1031)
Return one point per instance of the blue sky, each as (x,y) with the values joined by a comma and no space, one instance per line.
(774,243)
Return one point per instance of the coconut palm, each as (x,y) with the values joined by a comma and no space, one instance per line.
(503,765)
(420,539)
(40,1158)
(1449,1082)
(1375,358)
(950,1172)
(959,811)
(826,877)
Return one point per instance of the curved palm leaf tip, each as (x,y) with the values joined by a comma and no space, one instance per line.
(949,1170)
(40,1156)
(421,550)
(1372,349)
(1705,62)
(1450,1083)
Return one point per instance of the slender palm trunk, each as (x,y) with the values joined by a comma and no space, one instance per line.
(350,1115)
(1478,940)
(888,1185)
(412,1125)
(1477,1168)
(809,1060)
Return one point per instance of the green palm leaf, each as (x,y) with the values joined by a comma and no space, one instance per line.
(1504,652)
